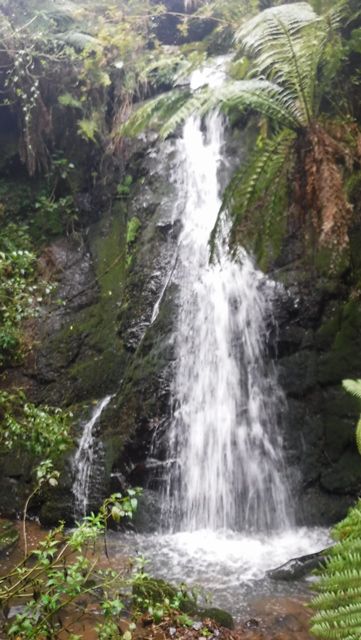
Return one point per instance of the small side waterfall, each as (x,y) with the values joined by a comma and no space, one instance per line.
(225,434)
(84,459)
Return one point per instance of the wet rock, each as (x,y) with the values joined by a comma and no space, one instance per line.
(147,517)
(344,476)
(221,617)
(252,623)
(318,507)
(318,344)
(298,567)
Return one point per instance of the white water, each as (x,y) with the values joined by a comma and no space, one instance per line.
(225,436)
(229,567)
(84,460)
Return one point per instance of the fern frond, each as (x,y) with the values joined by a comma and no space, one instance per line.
(256,32)
(286,44)
(153,112)
(256,197)
(358,435)
(169,110)
(353,387)
(338,614)
(327,599)
(336,14)
(192,105)
(338,603)
(252,180)
(263,96)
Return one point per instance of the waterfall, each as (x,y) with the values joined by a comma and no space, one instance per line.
(227,513)
(225,433)
(84,460)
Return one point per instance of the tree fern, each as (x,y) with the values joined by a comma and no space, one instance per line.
(285,45)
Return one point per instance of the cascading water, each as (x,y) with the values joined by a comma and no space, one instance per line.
(227,514)
(84,460)
(225,434)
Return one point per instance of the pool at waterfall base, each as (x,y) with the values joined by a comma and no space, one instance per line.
(229,568)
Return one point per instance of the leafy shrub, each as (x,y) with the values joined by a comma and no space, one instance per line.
(62,571)
(41,430)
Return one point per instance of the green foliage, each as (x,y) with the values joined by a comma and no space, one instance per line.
(63,570)
(89,128)
(354,387)
(338,600)
(160,599)
(73,57)
(285,47)
(53,216)
(19,294)
(123,189)
(337,605)
(67,100)
(41,430)
(287,96)
(286,44)
(263,178)
(133,227)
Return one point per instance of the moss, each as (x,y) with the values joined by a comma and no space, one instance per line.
(133,227)
(108,243)
(223,618)
(152,591)
(87,353)
(327,262)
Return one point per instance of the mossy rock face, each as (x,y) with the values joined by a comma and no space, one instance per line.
(81,355)
(223,618)
(318,345)
(9,536)
(298,373)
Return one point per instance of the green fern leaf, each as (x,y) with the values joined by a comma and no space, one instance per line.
(337,604)
(153,112)
(256,194)
(353,387)
(358,435)
(286,44)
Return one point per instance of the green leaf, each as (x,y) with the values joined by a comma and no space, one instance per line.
(67,100)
